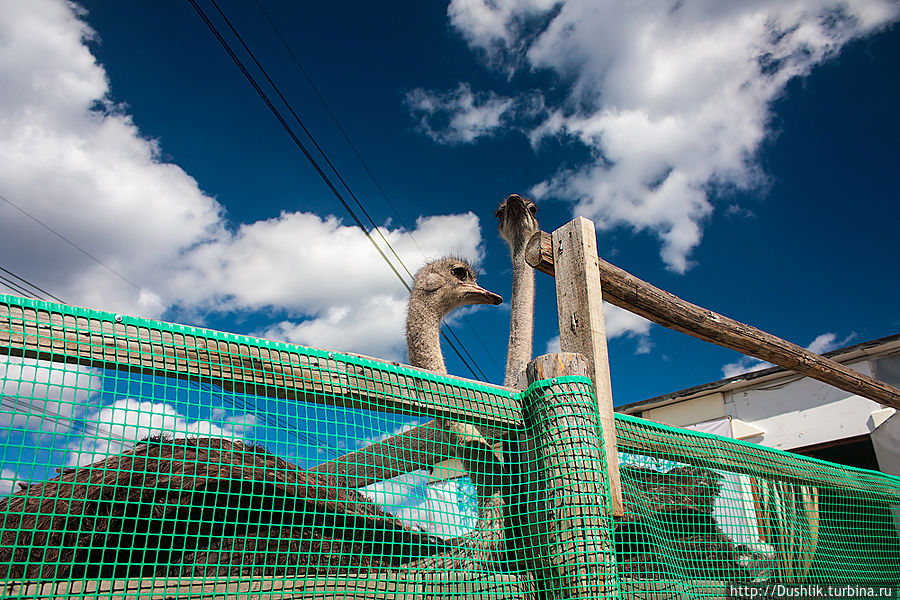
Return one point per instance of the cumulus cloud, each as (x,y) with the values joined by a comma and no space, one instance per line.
(338,292)
(619,323)
(461,116)
(404,496)
(116,427)
(823,343)
(827,342)
(9,480)
(77,162)
(42,396)
(745,364)
(672,99)
(468,115)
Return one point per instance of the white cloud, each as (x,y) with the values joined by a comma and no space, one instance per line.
(43,396)
(468,115)
(115,428)
(671,98)
(619,323)
(79,164)
(553,346)
(351,300)
(85,170)
(402,496)
(823,343)
(827,342)
(745,364)
(8,482)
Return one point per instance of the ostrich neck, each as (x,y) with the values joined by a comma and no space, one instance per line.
(423,336)
(521,323)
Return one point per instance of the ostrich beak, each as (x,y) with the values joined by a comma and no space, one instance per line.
(475,294)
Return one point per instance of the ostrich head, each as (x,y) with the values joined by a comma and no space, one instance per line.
(447,284)
(439,287)
(517,221)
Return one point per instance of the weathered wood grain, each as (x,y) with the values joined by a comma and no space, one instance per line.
(583,330)
(639,436)
(453,586)
(395,585)
(244,368)
(418,448)
(627,291)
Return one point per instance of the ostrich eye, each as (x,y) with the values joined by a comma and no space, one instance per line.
(460,273)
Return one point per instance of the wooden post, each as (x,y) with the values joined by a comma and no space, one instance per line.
(582,328)
(627,291)
(573,538)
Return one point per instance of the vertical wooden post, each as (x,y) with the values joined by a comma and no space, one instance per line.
(582,328)
(572,538)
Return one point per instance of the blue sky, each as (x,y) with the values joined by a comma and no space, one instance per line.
(741,157)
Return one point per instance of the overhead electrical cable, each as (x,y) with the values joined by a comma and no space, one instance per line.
(20,289)
(265,98)
(16,289)
(85,252)
(321,152)
(337,123)
(365,166)
(32,285)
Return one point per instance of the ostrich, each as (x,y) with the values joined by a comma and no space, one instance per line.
(517,223)
(440,287)
(525,501)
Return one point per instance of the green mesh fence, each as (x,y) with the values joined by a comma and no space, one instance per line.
(147,460)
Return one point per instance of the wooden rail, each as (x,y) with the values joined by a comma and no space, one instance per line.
(646,438)
(582,330)
(493,586)
(241,368)
(627,291)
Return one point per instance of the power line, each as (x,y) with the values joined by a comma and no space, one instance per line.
(306,153)
(337,123)
(15,289)
(83,251)
(239,401)
(365,166)
(32,285)
(347,187)
(318,148)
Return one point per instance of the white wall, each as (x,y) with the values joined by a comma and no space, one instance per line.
(802,412)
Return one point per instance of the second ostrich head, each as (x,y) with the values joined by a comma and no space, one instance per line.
(517,223)
(440,287)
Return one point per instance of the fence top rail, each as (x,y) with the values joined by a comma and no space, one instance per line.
(648,438)
(243,364)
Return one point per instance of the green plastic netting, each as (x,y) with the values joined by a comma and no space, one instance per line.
(142,459)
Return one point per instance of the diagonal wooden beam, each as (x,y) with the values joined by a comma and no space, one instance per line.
(244,365)
(627,291)
(419,448)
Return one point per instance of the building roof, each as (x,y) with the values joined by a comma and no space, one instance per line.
(879,347)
